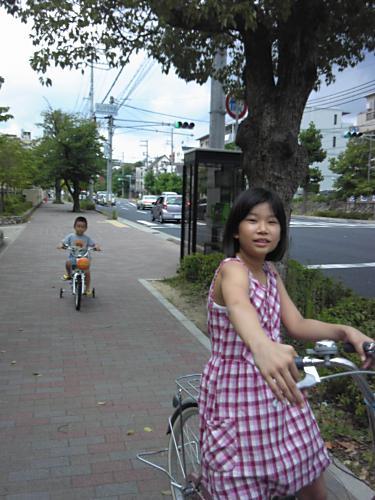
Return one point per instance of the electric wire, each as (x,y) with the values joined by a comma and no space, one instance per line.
(136,81)
(113,83)
(165,114)
(347,91)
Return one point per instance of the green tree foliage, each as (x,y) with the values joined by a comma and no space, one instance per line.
(168,182)
(149,182)
(156,184)
(71,151)
(17,168)
(4,115)
(279,49)
(311,139)
(356,177)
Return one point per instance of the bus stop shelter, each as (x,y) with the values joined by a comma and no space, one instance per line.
(212,178)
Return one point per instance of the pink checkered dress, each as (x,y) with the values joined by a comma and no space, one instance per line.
(252,446)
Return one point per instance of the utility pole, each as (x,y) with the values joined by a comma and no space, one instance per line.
(109,159)
(91,91)
(92,117)
(144,143)
(217,106)
(172,151)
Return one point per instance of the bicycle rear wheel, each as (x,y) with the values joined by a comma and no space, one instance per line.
(78,294)
(183,450)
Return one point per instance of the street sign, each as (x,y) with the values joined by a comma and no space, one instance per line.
(106,109)
(235,108)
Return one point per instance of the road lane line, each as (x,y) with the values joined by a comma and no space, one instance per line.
(341,266)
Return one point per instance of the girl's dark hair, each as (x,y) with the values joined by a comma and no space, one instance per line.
(242,205)
(80,219)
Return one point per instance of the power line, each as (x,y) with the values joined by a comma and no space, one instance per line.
(113,83)
(340,94)
(165,114)
(136,81)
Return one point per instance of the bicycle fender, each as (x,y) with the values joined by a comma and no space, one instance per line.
(186,403)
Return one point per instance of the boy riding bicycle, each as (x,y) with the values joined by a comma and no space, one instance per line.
(78,239)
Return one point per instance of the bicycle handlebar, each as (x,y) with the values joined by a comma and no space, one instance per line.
(302,362)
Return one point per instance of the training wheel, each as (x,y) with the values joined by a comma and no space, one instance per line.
(93,293)
(61,293)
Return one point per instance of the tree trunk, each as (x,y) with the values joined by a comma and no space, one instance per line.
(2,199)
(58,191)
(75,196)
(268,136)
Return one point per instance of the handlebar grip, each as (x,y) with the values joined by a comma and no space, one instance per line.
(368,347)
(299,362)
(348,347)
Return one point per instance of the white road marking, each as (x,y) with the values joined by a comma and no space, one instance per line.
(296,223)
(341,266)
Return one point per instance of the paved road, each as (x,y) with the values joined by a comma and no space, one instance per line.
(344,249)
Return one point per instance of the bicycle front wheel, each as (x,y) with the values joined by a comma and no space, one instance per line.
(184,450)
(78,294)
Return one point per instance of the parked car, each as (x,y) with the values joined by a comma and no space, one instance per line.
(146,201)
(101,198)
(167,207)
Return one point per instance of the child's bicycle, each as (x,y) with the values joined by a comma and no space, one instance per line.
(78,281)
(183,429)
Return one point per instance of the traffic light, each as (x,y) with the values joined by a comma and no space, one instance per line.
(184,125)
(352,132)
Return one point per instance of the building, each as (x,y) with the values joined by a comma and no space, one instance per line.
(160,165)
(332,127)
(366,119)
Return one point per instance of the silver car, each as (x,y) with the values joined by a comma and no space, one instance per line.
(167,207)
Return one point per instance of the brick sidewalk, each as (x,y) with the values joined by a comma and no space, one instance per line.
(77,389)
(122,349)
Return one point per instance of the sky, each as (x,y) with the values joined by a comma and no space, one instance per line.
(159,93)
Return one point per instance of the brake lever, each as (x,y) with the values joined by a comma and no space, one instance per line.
(311,378)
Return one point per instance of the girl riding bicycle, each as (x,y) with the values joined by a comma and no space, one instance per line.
(258,435)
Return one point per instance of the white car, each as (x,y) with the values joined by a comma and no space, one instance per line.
(146,201)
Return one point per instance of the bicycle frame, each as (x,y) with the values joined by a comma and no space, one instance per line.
(78,282)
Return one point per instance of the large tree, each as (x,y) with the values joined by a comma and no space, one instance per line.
(281,48)
(71,152)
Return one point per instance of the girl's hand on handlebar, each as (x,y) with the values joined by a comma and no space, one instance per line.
(97,248)
(276,363)
(357,338)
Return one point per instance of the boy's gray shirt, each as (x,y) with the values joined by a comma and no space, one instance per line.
(83,241)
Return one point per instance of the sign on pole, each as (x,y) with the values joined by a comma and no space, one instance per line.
(235,108)
(106,109)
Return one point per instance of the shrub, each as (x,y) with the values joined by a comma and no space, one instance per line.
(200,268)
(87,204)
(311,291)
(343,215)
(15,205)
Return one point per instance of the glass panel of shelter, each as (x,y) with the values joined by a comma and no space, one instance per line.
(210,189)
